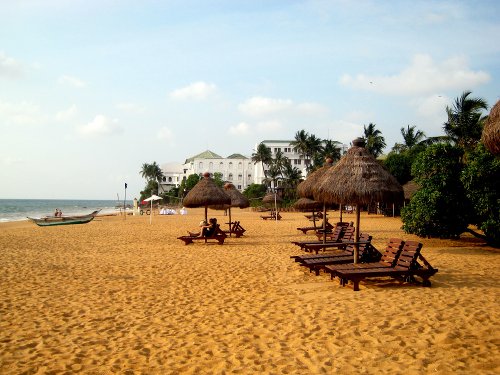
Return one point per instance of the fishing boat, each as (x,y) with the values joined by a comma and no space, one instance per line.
(63,220)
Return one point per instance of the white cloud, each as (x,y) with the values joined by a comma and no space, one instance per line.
(310,108)
(9,161)
(260,106)
(66,114)
(9,67)
(198,91)
(267,127)
(71,81)
(165,134)
(131,108)
(100,126)
(241,129)
(422,76)
(23,113)
(345,131)
(431,106)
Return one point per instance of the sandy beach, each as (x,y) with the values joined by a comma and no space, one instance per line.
(122,296)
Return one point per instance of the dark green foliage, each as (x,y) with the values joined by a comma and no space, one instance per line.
(440,208)
(218,179)
(188,184)
(254,192)
(150,189)
(399,165)
(481,179)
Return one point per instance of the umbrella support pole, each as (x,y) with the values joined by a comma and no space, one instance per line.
(356,246)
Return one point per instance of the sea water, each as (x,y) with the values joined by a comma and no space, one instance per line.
(20,209)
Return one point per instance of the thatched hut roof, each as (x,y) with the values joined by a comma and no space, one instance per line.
(410,188)
(306,188)
(269,198)
(358,178)
(306,204)
(237,199)
(491,131)
(206,193)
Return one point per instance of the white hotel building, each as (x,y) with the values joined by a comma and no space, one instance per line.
(236,168)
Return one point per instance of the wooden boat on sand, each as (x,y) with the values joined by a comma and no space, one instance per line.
(63,220)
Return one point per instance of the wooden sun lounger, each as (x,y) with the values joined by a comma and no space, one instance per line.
(316,228)
(338,233)
(271,216)
(345,226)
(406,268)
(218,236)
(367,253)
(236,229)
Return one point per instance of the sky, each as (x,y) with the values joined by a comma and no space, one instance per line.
(90,90)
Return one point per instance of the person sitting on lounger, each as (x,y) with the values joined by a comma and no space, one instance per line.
(210,230)
(203,226)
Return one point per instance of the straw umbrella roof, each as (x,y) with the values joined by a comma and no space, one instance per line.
(237,199)
(358,178)
(491,131)
(270,198)
(306,188)
(307,204)
(205,193)
(410,188)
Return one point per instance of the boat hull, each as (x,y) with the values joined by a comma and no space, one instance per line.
(64,220)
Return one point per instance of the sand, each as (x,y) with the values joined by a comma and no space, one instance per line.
(123,296)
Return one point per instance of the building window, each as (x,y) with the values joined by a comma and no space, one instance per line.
(297,161)
(276,149)
(230,165)
(240,177)
(249,177)
(163,179)
(170,179)
(200,165)
(240,165)
(221,166)
(210,166)
(239,187)
(230,177)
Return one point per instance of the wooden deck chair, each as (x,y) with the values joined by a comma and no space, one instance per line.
(317,227)
(218,236)
(366,253)
(406,268)
(236,229)
(336,238)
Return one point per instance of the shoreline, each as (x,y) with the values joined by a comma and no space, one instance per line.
(118,294)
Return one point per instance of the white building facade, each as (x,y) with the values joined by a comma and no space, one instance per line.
(236,169)
(288,151)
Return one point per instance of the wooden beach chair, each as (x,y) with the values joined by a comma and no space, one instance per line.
(316,228)
(329,233)
(236,229)
(218,236)
(405,269)
(367,253)
(273,216)
(338,235)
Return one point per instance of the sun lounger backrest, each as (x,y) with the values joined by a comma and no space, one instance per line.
(408,257)
(362,237)
(392,251)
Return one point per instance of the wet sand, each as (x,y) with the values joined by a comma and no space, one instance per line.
(123,296)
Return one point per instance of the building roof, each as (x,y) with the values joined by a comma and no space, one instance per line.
(275,141)
(204,155)
(236,156)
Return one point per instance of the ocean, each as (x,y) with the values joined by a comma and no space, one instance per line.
(19,209)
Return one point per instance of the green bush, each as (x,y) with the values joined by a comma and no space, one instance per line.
(440,208)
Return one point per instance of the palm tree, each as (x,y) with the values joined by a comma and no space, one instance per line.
(375,142)
(411,136)
(292,177)
(300,143)
(314,147)
(331,150)
(465,123)
(153,174)
(262,155)
(279,161)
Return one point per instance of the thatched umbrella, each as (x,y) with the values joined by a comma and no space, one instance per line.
(307,204)
(237,200)
(410,188)
(272,199)
(358,178)
(491,131)
(204,194)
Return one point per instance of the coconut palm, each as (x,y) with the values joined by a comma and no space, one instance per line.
(375,142)
(412,136)
(300,143)
(331,150)
(279,161)
(151,172)
(262,155)
(465,122)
